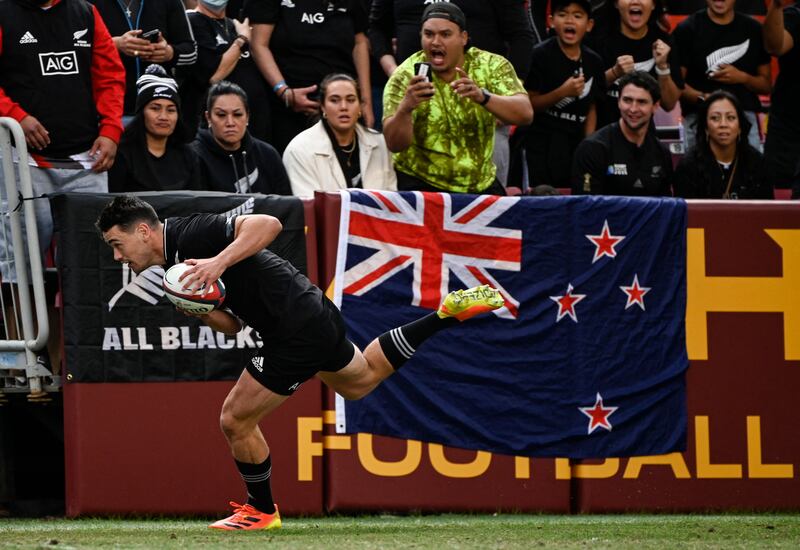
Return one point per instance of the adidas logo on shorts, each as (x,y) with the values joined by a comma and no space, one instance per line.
(258,363)
(28,38)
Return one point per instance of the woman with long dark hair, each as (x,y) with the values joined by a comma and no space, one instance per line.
(153,153)
(339,152)
(231,160)
(722,164)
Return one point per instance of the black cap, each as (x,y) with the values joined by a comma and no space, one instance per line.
(561,4)
(445,10)
(156,84)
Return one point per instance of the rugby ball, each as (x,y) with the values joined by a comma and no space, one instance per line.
(193,301)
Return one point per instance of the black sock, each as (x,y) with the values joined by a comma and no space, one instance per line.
(399,344)
(256,477)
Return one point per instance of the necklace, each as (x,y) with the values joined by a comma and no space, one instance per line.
(349,151)
(128,12)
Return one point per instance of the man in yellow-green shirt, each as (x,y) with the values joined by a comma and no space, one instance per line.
(441,129)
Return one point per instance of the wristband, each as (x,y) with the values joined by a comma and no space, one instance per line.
(277,86)
(663,72)
(243,37)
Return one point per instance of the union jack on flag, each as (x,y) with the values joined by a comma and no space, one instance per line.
(588,359)
(435,238)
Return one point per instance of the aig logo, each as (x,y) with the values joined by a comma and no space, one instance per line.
(56,63)
(312,18)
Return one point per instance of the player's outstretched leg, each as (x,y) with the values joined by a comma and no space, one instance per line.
(399,344)
(389,351)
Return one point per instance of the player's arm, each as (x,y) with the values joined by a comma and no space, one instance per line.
(252,233)
(220,320)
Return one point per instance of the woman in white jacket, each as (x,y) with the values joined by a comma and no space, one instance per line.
(339,152)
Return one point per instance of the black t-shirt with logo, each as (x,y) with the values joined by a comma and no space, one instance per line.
(617,44)
(311,38)
(704,45)
(786,94)
(264,290)
(606,163)
(550,68)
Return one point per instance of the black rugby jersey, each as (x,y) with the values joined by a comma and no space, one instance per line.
(265,291)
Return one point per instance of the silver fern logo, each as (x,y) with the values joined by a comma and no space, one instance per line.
(587,88)
(247,207)
(726,56)
(145,285)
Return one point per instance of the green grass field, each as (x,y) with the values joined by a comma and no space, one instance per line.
(436,532)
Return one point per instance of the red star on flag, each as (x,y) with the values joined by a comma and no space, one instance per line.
(635,293)
(566,304)
(604,243)
(598,415)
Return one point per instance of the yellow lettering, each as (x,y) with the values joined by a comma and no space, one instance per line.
(378,467)
(606,469)
(756,468)
(307,448)
(442,465)
(563,469)
(705,469)
(522,467)
(757,294)
(674,460)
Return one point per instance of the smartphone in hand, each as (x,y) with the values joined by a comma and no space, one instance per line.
(423,69)
(153,36)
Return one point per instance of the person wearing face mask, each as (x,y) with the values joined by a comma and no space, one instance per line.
(722,165)
(231,160)
(169,44)
(154,154)
(223,53)
(338,152)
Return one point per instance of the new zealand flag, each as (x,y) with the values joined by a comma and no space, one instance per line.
(587,359)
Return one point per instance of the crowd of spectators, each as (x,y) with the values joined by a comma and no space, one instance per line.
(292,96)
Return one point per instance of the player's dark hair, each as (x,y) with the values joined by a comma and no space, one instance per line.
(126,211)
(642,80)
(224,87)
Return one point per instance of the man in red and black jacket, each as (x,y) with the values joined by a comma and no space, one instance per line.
(61,78)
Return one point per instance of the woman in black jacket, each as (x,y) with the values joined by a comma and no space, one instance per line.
(722,165)
(153,153)
(230,159)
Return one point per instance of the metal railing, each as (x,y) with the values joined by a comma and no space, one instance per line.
(23,337)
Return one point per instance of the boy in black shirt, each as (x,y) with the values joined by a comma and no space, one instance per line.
(626,158)
(302,331)
(638,43)
(565,82)
(721,49)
